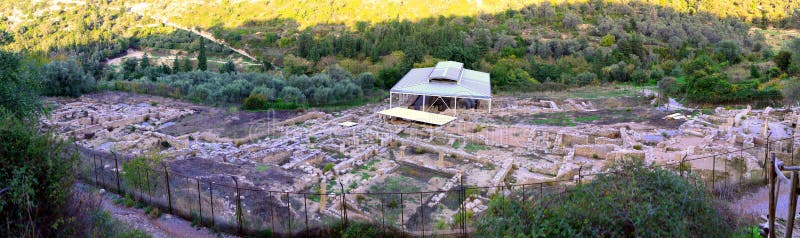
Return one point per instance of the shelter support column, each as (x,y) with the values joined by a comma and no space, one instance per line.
(423,103)
(455,107)
(490,106)
(390,100)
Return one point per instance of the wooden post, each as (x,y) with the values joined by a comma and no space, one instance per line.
(169,192)
(792,205)
(322,196)
(771,178)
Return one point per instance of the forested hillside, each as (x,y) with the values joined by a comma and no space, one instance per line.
(692,49)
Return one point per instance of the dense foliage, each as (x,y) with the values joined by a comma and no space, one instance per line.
(635,201)
(65,78)
(525,45)
(34,168)
(334,86)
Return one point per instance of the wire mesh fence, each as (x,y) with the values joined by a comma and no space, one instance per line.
(225,204)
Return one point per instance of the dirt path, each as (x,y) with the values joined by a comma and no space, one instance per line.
(165,226)
(756,205)
(204,34)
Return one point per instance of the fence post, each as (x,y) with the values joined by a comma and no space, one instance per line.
(149,191)
(211,195)
(766,161)
(713,172)
(792,205)
(383,216)
(580,176)
(271,213)
(422,214)
(94,163)
(169,193)
(344,205)
(523,193)
(463,195)
(199,202)
(682,166)
(289,211)
(305,208)
(402,217)
(771,178)
(541,192)
(116,164)
(238,205)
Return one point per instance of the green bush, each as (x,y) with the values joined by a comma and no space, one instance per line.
(66,78)
(40,178)
(608,40)
(634,201)
(255,102)
(328,167)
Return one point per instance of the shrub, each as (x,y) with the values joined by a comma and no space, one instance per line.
(66,78)
(40,178)
(637,147)
(255,102)
(328,167)
(608,40)
(634,201)
(728,51)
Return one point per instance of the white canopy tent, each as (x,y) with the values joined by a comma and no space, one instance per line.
(447,79)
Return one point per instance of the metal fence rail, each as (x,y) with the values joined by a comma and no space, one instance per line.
(225,204)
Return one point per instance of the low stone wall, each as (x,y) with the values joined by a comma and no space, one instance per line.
(601,151)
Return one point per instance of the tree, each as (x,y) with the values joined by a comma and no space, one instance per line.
(33,166)
(202,62)
(571,20)
(366,81)
(228,67)
(387,77)
(176,66)
(187,65)
(66,78)
(293,95)
(129,68)
(19,91)
(754,72)
(728,51)
(608,40)
(5,37)
(783,59)
(705,82)
(144,62)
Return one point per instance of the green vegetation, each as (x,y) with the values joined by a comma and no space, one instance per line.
(328,167)
(395,184)
(575,44)
(608,116)
(139,172)
(472,147)
(635,201)
(39,170)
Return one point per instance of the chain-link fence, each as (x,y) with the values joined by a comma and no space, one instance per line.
(226,204)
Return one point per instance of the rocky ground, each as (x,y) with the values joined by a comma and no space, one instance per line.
(523,140)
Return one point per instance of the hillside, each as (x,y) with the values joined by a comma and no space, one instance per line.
(525,45)
(316,12)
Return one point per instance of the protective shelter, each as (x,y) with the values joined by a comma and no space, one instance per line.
(447,82)
(446,86)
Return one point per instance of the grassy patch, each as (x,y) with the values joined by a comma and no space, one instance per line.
(456,144)
(472,147)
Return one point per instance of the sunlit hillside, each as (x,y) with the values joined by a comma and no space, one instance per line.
(313,12)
